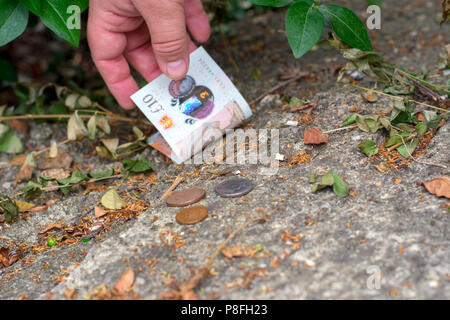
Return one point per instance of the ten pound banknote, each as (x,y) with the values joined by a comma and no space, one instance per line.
(193,112)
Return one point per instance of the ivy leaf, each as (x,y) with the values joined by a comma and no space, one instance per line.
(142,164)
(13,20)
(271,3)
(347,26)
(368,147)
(304,27)
(9,142)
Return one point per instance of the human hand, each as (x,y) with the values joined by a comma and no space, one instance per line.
(150,35)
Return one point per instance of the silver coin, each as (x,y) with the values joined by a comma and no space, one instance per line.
(234,187)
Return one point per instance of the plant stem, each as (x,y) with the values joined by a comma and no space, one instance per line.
(54,188)
(112,117)
(340,129)
(426,83)
(399,98)
(395,146)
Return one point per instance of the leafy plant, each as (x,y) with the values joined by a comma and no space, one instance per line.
(332,179)
(14,16)
(306,19)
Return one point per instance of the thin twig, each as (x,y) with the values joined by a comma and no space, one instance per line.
(340,129)
(419,161)
(48,148)
(111,117)
(399,98)
(175,183)
(278,86)
(229,238)
(55,188)
(395,146)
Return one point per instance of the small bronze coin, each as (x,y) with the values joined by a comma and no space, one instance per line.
(192,215)
(185,197)
(234,187)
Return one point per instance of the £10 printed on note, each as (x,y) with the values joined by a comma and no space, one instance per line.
(193,112)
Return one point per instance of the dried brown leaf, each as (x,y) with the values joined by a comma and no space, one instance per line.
(125,282)
(51,227)
(439,186)
(18,125)
(314,136)
(99,212)
(62,160)
(55,173)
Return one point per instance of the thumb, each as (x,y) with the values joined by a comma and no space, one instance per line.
(170,41)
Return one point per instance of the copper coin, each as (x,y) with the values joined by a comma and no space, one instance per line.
(192,215)
(185,197)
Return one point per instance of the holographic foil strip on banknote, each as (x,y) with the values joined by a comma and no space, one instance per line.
(193,112)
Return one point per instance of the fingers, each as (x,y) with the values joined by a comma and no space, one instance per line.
(170,41)
(197,21)
(107,52)
(139,53)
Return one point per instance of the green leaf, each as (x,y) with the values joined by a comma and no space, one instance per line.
(13,20)
(9,142)
(76,177)
(368,147)
(407,149)
(368,123)
(271,3)
(421,128)
(340,187)
(375,2)
(32,190)
(295,102)
(312,178)
(55,16)
(10,209)
(8,72)
(142,164)
(350,120)
(326,181)
(396,138)
(403,112)
(57,108)
(33,5)
(347,26)
(102,174)
(304,27)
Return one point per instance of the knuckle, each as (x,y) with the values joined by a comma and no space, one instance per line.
(170,47)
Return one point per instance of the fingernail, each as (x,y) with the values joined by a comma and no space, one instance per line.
(176,69)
